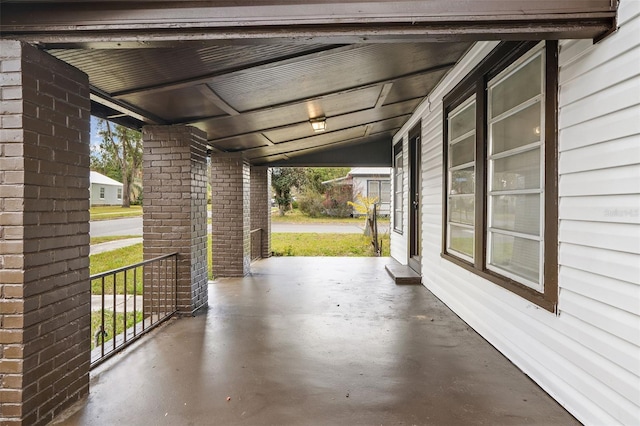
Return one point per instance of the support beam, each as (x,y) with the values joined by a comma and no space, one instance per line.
(175,208)
(261,208)
(109,24)
(375,152)
(45,309)
(230,215)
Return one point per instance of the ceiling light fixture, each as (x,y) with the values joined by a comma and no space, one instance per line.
(319,124)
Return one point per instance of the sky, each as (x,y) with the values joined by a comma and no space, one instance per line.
(95,139)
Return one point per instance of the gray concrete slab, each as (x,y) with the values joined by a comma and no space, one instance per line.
(315,341)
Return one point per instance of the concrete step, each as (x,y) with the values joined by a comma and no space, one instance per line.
(403,274)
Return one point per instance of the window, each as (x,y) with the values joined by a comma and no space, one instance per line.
(461,178)
(500,203)
(119,193)
(380,189)
(373,190)
(385,191)
(398,188)
(102,192)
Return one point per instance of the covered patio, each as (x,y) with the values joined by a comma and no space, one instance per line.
(315,341)
(242,86)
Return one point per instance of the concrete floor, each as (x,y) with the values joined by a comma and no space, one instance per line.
(315,341)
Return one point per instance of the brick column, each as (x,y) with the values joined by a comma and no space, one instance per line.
(261,206)
(175,208)
(44,235)
(230,210)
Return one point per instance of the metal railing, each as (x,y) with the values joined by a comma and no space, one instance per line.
(128,302)
(256,244)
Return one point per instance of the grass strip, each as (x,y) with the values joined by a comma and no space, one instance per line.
(329,245)
(107,334)
(115,259)
(296,216)
(100,240)
(114,212)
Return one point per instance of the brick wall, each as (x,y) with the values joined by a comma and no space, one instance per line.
(231,221)
(44,235)
(261,206)
(175,208)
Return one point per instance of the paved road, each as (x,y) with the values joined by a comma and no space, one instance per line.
(127,226)
(133,226)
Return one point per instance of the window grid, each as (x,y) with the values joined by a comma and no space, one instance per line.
(495,233)
(452,193)
(398,189)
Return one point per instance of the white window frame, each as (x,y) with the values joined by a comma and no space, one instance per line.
(491,231)
(398,189)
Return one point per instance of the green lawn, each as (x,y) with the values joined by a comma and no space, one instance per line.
(330,245)
(115,259)
(296,216)
(96,320)
(114,212)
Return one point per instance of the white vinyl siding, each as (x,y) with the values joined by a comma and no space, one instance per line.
(587,356)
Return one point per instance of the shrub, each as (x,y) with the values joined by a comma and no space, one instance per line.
(310,203)
(337,199)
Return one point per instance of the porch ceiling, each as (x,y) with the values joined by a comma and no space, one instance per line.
(252,76)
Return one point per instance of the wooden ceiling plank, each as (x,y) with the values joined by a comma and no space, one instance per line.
(283,147)
(328,95)
(256,66)
(291,125)
(217,100)
(384,92)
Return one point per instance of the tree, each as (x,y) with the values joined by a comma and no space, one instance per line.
(316,175)
(283,179)
(119,155)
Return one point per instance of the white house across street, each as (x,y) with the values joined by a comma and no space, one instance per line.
(104,191)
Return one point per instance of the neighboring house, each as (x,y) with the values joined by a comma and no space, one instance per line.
(373,182)
(369,182)
(523,211)
(104,191)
